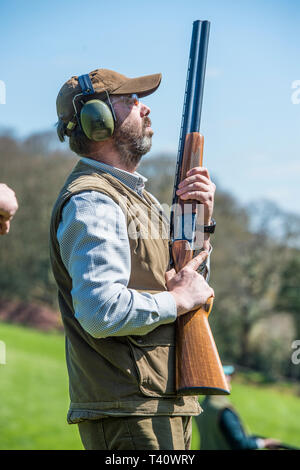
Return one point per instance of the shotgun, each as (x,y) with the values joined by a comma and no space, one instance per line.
(198,367)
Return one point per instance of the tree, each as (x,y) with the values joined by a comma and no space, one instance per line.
(255,263)
(25,272)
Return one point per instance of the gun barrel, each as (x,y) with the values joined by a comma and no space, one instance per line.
(203,34)
(192,105)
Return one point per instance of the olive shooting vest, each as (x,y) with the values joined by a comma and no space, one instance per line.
(120,376)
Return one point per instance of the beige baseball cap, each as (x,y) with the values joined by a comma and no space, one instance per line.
(104,80)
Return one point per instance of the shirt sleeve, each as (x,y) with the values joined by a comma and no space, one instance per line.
(95,250)
(234,433)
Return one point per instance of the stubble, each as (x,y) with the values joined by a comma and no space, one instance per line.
(132,143)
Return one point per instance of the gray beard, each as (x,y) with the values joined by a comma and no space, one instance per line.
(130,145)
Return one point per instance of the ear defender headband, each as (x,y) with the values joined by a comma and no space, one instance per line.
(96,118)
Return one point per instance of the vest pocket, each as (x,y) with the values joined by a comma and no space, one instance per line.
(155,364)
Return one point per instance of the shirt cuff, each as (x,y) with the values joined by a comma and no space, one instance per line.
(166,306)
(260,443)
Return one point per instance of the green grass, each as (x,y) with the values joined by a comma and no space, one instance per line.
(34,392)
(34,397)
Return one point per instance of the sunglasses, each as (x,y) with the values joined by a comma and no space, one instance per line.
(132,100)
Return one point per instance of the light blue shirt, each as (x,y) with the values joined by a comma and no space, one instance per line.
(95,250)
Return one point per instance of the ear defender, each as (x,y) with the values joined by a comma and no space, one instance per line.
(96,119)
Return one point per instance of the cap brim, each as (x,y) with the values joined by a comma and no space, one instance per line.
(142,86)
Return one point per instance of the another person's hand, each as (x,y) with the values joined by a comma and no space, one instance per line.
(189,289)
(8,207)
(271,443)
(198,186)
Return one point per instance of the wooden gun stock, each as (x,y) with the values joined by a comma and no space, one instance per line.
(198,367)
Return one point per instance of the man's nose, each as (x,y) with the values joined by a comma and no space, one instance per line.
(145,110)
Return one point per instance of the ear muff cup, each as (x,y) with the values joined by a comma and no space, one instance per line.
(96,120)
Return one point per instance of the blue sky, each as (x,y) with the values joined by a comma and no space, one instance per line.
(250,125)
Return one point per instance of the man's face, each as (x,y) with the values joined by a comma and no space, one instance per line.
(133,132)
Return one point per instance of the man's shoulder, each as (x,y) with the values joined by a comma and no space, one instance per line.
(85,179)
(88,199)
(82,186)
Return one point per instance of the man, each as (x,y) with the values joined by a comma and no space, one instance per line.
(110,256)
(8,208)
(221,428)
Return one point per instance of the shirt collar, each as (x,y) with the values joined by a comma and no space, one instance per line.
(134,180)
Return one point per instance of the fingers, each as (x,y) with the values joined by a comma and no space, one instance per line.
(7,226)
(194,179)
(204,197)
(197,185)
(199,259)
(198,170)
(4,226)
